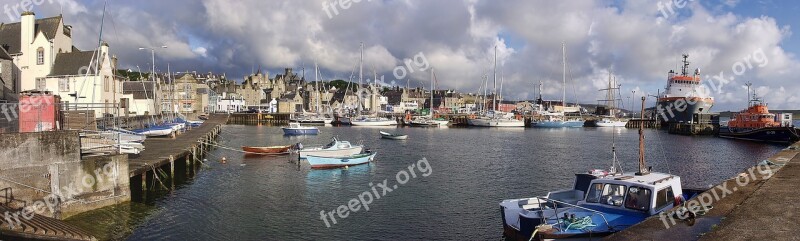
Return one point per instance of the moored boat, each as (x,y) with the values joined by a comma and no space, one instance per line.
(269,150)
(683,90)
(387,135)
(600,203)
(297,129)
(756,123)
(318,162)
(333,149)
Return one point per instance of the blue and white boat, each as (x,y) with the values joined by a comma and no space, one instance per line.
(600,203)
(296,129)
(318,162)
(333,149)
(156,130)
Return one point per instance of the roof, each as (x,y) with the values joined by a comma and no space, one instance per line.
(654,179)
(10,33)
(72,63)
(4,54)
(139,89)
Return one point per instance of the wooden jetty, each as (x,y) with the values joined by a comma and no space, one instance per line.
(168,157)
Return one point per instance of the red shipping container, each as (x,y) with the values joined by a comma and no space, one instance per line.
(38,111)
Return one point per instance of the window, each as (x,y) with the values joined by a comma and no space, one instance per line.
(611,194)
(638,198)
(664,198)
(106,84)
(63,85)
(40,56)
(41,84)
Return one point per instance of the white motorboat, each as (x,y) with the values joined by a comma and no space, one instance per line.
(336,148)
(372,121)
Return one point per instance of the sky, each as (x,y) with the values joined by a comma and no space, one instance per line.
(731,42)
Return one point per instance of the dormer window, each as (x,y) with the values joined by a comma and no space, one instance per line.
(40,56)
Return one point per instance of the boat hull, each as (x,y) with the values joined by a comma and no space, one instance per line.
(668,112)
(559,124)
(769,134)
(331,153)
(267,150)
(317,162)
(373,123)
(611,123)
(300,131)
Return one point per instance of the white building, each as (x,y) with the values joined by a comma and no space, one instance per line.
(230,104)
(46,60)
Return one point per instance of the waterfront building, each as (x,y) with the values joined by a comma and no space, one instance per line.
(140,97)
(8,77)
(46,60)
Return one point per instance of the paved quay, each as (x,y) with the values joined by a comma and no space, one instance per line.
(761,203)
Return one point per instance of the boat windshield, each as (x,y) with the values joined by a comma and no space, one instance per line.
(638,198)
(610,194)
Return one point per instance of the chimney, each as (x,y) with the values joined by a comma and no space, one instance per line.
(103,49)
(28,25)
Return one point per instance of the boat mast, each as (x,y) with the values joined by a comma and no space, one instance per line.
(430,111)
(494,97)
(643,170)
(360,78)
(564,77)
(316,85)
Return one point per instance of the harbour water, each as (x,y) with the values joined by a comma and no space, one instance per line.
(471,171)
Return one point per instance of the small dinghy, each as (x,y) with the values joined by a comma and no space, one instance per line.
(387,135)
(268,150)
(318,162)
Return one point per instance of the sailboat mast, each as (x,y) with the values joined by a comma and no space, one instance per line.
(316,85)
(494,97)
(564,77)
(430,111)
(360,77)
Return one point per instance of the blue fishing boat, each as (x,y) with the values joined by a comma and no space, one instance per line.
(601,203)
(318,162)
(296,129)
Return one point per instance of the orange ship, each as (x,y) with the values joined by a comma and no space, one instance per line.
(756,123)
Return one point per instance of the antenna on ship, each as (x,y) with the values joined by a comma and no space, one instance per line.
(685,64)
(643,170)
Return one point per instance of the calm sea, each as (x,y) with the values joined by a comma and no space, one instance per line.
(470,171)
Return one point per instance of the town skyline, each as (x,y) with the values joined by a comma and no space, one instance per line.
(462,55)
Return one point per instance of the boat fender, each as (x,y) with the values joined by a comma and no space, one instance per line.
(679,200)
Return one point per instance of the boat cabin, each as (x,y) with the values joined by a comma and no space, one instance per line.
(650,194)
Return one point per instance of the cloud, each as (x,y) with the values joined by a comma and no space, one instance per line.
(630,38)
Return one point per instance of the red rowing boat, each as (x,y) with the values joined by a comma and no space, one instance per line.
(269,150)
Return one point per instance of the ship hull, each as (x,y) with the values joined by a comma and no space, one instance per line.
(769,134)
(668,111)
